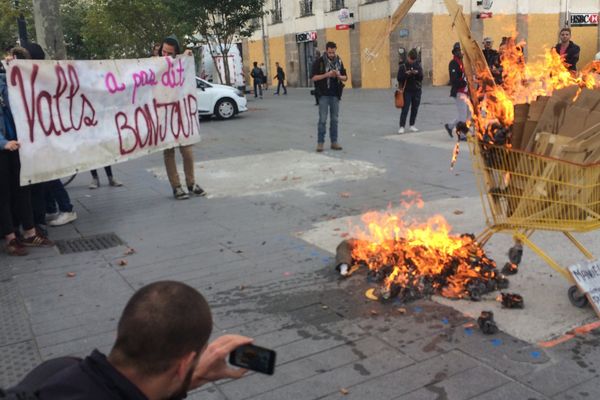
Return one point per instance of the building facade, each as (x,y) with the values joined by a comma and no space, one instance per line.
(293,29)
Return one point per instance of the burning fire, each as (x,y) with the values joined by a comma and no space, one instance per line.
(524,82)
(412,259)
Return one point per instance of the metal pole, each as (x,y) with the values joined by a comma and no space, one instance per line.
(265,48)
(21,26)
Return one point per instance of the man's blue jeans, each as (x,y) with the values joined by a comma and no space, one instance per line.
(56,194)
(331,104)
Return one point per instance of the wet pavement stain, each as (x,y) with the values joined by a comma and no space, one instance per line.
(361,369)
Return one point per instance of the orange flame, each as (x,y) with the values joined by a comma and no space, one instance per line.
(524,82)
(415,252)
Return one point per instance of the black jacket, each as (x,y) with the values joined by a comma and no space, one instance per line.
(571,56)
(492,57)
(335,86)
(457,77)
(93,378)
(414,83)
(280,74)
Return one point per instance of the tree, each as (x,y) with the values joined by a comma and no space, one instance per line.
(220,22)
(8,21)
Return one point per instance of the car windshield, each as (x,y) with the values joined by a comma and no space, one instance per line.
(202,83)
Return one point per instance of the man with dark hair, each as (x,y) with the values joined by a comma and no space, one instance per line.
(161,352)
(458,90)
(170,48)
(569,51)
(280,76)
(329,75)
(257,79)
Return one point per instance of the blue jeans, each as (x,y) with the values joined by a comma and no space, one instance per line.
(331,104)
(412,101)
(56,194)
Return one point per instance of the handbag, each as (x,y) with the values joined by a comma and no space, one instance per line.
(399,96)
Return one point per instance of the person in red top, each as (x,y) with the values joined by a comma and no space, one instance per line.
(569,51)
(459,91)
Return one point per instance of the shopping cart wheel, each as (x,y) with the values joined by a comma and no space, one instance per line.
(577,298)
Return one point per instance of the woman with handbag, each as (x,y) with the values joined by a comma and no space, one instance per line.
(410,79)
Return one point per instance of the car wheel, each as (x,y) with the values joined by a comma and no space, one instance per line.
(225,108)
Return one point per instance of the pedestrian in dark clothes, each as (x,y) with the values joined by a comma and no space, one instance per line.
(410,76)
(569,51)
(280,79)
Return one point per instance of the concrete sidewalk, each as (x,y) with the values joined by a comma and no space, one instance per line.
(259,248)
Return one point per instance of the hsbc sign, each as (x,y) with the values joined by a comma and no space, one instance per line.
(308,36)
(582,19)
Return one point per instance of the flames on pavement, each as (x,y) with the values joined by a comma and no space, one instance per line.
(409,259)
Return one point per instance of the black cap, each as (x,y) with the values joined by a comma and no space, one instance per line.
(456,46)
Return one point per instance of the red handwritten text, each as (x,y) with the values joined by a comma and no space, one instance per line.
(110,81)
(56,112)
(173,76)
(143,78)
(150,124)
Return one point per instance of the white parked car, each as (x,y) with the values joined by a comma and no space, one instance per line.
(219,100)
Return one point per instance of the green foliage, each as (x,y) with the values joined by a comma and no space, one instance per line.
(8,21)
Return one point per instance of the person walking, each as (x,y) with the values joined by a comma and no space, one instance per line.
(568,51)
(264,75)
(410,77)
(170,48)
(96,180)
(459,90)
(280,79)
(257,80)
(329,75)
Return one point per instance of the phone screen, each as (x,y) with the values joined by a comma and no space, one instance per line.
(254,358)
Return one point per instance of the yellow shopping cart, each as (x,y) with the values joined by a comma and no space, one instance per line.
(523,192)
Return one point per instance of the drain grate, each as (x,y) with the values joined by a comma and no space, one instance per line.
(89,243)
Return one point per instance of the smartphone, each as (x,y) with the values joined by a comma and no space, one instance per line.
(254,358)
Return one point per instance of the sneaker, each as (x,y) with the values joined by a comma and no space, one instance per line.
(319,147)
(413,128)
(448,129)
(14,248)
(52,216)
(401,130)
(113,182)
(37,240)
(335,146)
(64,218)
(179,194)
(94,185)
(197,190)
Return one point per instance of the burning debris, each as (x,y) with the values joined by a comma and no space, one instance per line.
(486,323)
(511,300)
(417,260)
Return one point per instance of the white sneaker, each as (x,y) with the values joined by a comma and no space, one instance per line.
(52,216)
(63,218)
(94,185)
(401,130)
(413,128)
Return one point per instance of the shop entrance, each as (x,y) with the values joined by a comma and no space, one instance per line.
(306,52)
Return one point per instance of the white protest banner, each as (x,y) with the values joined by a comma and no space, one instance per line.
(79,115)
(587,278)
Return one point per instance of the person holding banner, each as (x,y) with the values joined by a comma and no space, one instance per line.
(170,48)
(12,194)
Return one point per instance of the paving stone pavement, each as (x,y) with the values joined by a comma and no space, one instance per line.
(242,251)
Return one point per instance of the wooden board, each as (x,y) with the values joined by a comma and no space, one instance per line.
(587,279)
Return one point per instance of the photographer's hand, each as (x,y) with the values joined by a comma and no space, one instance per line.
(213,366)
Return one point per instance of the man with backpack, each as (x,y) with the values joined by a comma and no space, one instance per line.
(257,79)
(329,75)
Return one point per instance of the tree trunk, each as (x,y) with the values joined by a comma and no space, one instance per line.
(48,28)
(226,67)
